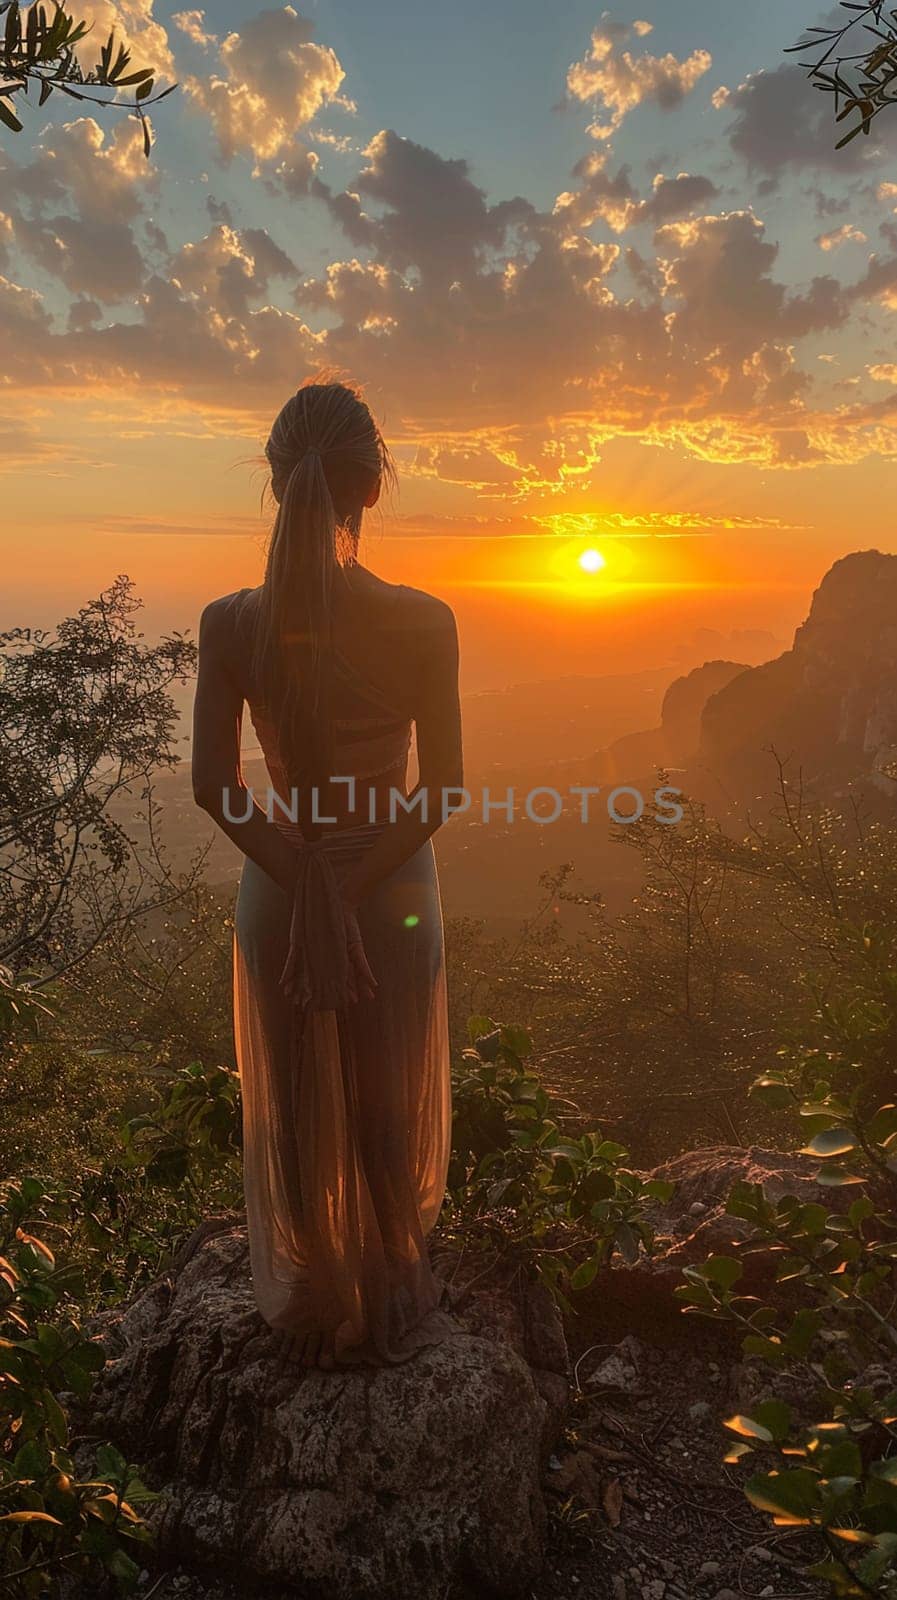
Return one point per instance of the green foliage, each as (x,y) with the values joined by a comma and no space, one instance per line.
(686,998)
(198,1123)
(519,1183)
(855,61)
(176,1164)
(21,1009)
(39,47)
(112,1229)
(829,1317)
(837,1068)
(853,1506)
(158,990)
(120,1217)
(86,717)
(53,1518)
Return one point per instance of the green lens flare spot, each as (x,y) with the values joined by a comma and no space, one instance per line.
(412,922)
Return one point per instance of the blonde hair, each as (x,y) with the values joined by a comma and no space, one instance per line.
(326,453)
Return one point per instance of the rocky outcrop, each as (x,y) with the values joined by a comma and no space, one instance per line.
(675,742)
(828,705)
(696,1222)
(693,1225)
(397,1482)
(359,1485)
(684,702)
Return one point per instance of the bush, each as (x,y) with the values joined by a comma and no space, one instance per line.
(833,1328)
(53,1518)
(111,1230)
(519,1184)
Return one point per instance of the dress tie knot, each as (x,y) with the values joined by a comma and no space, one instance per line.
(316,971)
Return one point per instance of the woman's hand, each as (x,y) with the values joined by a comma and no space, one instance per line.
(362,983)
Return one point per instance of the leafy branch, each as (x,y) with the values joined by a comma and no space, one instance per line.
(856,61)
(41,50)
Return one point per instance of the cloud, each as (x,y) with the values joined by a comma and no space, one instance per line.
(101,258)
(229,270)
(846,234)
(781,121)
(134,25)
(646,524)
(886,372)
(193,24)
(674,197)
(179,346)
(273,81)
(614,201)
(84,313)
(543,334)
(719,269)
(7,235)
(21,309)
(430,214)
(73,205)
(24,445)
(621,81)
(505,345)
(879,282)
(295,174)
(101,173)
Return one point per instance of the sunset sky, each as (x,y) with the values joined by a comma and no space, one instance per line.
(605,278)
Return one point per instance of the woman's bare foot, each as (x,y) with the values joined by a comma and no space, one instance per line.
(304,1350)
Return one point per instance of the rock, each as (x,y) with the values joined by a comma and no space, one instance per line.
(700,1411)
(353,1485)
(675,743)
(643,1292)
(684,703)
(709,1569)
(620,1370)
(710,1175)
(830,701)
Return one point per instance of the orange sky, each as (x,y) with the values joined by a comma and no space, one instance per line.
(614,307)
(193,526)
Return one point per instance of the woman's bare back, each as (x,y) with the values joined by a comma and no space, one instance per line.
(399,648)
(391,634)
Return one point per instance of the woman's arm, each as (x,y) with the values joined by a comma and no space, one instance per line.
(217,775)
(438,721)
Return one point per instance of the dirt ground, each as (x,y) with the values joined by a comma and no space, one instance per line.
(642,1506)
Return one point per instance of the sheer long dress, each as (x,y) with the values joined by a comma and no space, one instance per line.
(347,1105)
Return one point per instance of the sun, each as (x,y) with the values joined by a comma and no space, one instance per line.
(592,561)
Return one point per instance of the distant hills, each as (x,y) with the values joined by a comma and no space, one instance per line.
(827,708)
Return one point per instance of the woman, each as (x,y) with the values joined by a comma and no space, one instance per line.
(339,991)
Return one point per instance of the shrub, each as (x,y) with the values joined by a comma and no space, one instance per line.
(53,1518)
(833,1327)
(519,1183)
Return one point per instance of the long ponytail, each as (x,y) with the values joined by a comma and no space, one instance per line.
(325,450)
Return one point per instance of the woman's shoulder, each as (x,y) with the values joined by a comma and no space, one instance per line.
(398,609)
(430,614)
(222,618)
